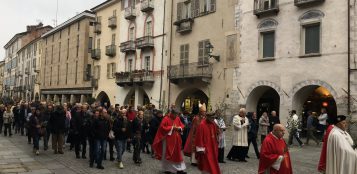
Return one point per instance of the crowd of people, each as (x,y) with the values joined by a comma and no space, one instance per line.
(166,137)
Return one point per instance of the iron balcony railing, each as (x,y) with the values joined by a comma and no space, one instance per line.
(307,2)
(184,26)
(130,13)
(138,77)
(110,50)
(112,22)
(195,70)
(98,28)
(128,46)
(266,7)
(147,6)
(145,42)
(95,54)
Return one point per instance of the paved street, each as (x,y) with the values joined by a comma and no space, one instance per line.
(16,157)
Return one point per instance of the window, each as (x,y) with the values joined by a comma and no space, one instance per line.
(184,53)
(312,39)
(90,44)
(67,48)
(114,12)
(98,43)
(130,65)
(60,34)
(202,7)
(77,46)
(183,10)
(113,39)
(203,52)
(147,63)
(111,69)
(34,49)
(34,63)
(45,56)
(97,72)
(132,33)
(148,28)
(268,44)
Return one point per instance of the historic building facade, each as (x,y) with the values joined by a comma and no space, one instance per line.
(66,66)
(293,56)
(141,71)
(204,52)
(106,55)
(2,67)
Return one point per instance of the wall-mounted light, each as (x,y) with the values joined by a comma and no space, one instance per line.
(210,47)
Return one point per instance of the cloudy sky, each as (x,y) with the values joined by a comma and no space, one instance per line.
(16,14)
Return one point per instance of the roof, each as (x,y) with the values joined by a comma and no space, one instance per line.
(13,39)
(84,14)
(33,41)
(103,5)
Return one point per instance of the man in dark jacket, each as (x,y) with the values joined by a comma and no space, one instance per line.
(136,130)
(253,132)
(80,128)
(120,128)
(154,126)
(2,110)
(101,128)
(45,119)
(58,126)
(91,138)
(23,119)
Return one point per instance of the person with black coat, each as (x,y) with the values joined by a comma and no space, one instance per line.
(34,129)
(154,126)
(137,126)
(273,120)
(120,128)
(23,118)
(253,132)
(2,110)
(58,126)
(101,127)
(45,119)
(80,127)
(91,138)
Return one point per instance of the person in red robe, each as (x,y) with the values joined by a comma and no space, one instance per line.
(190,148)
(207,145)
(322,163)
(167,144)
(274,154)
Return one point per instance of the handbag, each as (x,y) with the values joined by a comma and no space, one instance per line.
(111,134)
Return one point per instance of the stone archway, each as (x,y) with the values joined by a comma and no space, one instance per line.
(102,97)
(137,97)
(189,99)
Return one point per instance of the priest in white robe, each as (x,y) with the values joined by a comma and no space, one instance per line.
(341,152)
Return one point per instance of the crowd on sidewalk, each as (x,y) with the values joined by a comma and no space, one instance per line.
(166,137)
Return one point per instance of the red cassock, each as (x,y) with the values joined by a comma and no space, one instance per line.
(173,141)
(206,137)
(190,142)
(322,162)
(270,151)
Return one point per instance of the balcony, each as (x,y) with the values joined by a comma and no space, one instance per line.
(184,25)
(130,13)
(145,42)
(95,54)
(98,28)
(301,3)
(95,83)
(112,22)
(190,72)
(27,71)
(137,77)
(128,46)
(266,7)
(110,50)
(147,6)
(37,70)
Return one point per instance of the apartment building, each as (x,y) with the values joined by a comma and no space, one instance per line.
(204,52)
(141,71)
(106,55)
(11,56)
(66,66)
(2,69)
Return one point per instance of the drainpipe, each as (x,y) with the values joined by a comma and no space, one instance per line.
(169,92)
(349,59)
(162,55)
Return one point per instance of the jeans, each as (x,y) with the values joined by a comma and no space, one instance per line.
(253,139)
(310,134)
(120,147)
(293,133)
(46,137)
(111,149)
(137,148)
(101,145)
(77,146)
(92,150)
(57,142)
(36,141)
(7,128)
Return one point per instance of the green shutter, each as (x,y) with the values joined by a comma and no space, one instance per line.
(312,39)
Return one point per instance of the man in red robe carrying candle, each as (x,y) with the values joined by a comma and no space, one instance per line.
(207,145)
(167,144)
(274,154)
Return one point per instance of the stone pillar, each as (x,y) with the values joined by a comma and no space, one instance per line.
(139,97)
(64,99)
(83,99)
(72,99)
(43,97)
(56,99)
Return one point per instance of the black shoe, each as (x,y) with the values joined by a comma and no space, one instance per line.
(84,157)
(221,161)
(247,156)
(112,159)
(243,161)
(193,164)
(100,167)
(181,172)
(78,157)
(167,172)
(91,165)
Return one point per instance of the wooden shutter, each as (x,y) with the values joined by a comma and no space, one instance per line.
(180,5)
(200,52)
(114,69)
(108,70)
(213,5)
(195,8)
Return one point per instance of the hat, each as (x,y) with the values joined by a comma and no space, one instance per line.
(211,115)
(203,108)
(340,118)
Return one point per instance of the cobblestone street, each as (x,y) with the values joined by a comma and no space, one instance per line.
(16,157)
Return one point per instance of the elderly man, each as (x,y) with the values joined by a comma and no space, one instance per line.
(341,152)
(240,137)
(274,154)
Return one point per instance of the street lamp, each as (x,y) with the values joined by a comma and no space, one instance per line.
(210,47)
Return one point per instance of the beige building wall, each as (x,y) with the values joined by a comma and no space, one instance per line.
(105,67)
(66,64)
(2,68)
(292,74)
(217,26)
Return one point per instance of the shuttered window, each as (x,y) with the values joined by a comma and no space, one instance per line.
(312,39)
(268,44)
(184,53)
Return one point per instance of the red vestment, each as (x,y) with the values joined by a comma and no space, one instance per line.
(206,139)
(270,151)
(190,142)
(173,141)
(322,162)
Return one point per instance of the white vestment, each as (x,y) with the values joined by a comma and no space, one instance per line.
(341,157)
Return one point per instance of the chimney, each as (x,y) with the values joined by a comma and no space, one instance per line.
(34,27)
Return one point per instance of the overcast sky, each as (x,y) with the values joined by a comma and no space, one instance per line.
(15,15)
